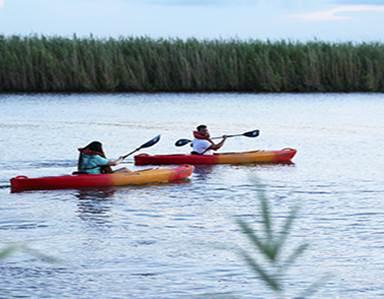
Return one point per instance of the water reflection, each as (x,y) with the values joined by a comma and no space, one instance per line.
(264,165)
(95,194)
(95,205)
(202,172)
(167,228)
(287,163)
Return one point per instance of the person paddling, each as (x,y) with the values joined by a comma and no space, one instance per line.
(92,160)
(202,143)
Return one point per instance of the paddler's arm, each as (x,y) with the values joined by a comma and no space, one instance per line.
(115,162)
(217,146)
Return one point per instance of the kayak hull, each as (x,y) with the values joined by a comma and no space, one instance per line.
(252,157)
(142,177)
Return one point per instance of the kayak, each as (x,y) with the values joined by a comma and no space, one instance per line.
(276,156)
(78,181)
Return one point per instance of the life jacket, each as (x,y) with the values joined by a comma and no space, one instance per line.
(85,151)
(199,135)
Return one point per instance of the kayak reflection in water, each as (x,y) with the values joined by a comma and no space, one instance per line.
(92,160)
(202,143)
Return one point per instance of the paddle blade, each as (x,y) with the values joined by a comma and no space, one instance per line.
(182,142)
(151,142)
(253,133)
(147,144)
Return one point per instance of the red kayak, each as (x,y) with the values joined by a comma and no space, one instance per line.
(141,177)
(253,157)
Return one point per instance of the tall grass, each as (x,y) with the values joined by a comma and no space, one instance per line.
(270,260)
(57,64)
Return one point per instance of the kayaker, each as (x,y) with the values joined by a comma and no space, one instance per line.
(92,160)
(202,143)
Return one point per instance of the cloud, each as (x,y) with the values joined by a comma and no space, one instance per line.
(339,13)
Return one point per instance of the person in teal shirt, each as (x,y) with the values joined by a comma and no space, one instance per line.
(92,160)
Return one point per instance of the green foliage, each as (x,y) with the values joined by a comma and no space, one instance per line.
(12,249)
(7,251)
(269,243)
(58,64)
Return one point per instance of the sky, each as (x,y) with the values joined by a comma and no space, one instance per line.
(330,20)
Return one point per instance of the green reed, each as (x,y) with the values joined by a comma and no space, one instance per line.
(269,258)
(58,64)
(11,249)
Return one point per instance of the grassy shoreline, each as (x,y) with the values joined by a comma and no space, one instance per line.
(57,64)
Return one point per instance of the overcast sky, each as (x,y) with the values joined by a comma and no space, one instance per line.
(335,20)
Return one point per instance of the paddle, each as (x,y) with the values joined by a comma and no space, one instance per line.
(254,133)
(149,143)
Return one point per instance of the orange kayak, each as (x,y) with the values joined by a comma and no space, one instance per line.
(141,177)
(252,157)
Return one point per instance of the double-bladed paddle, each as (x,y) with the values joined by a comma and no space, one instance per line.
(149,143)
(254,133)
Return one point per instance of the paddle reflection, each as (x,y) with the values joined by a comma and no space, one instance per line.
(94,205)
(96,194)
(202,172)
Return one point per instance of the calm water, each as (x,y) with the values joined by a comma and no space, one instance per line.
(180,240)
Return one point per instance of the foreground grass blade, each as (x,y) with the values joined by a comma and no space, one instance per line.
(265,248)
(271,247)
(270,280)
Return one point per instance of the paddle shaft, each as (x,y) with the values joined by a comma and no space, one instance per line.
(227,136)
(186,141)
(254,133)
(147,144)
(134,151)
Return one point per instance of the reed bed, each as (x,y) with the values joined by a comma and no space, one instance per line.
(58,64)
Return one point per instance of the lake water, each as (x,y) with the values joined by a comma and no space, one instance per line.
(181,240)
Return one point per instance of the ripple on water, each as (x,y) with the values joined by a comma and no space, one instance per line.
(180,240)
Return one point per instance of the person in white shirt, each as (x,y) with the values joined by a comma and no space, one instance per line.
(202,144)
